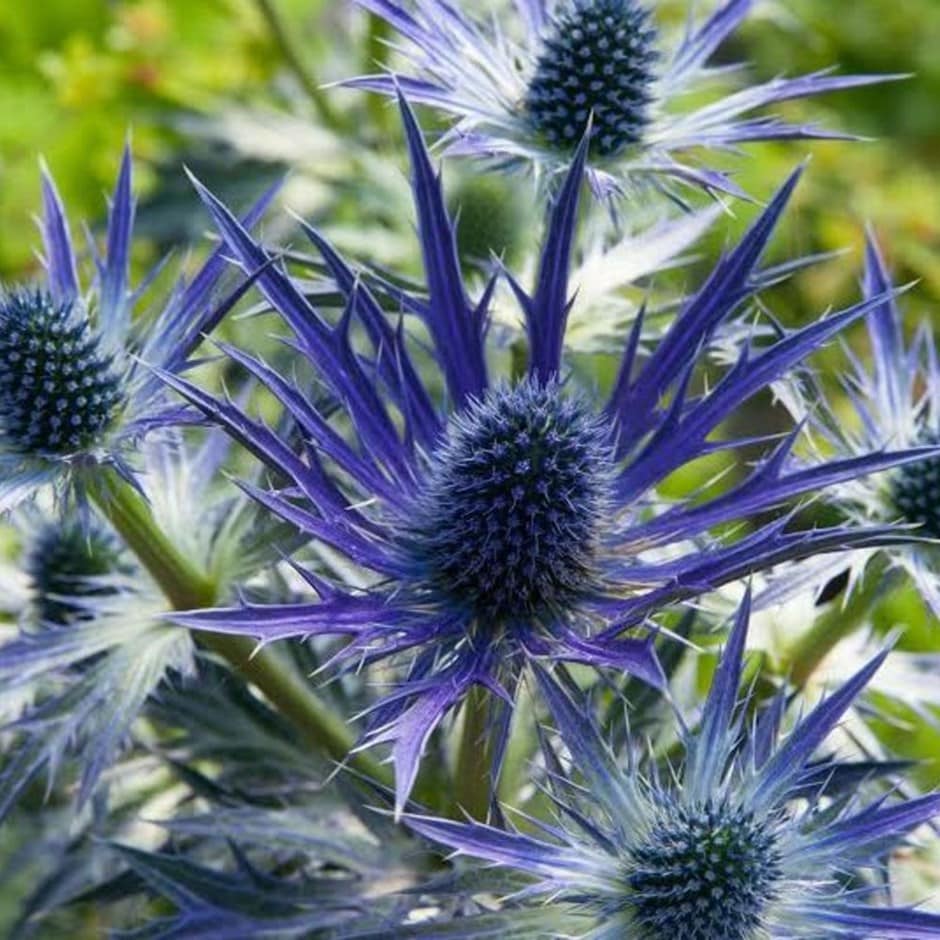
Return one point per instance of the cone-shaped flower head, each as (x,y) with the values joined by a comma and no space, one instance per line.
(58,391)
(757,835)
(915,489)
(509,520)
(597,58)
(523,93)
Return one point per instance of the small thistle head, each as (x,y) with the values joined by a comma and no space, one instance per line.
(703,873)
(65,563)
(915,490)
(58,390)
(508,520)
(598,58)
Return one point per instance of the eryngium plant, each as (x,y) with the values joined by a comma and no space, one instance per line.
(514,519)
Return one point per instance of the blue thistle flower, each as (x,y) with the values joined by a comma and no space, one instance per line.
(511,521)
(527,101)
(754,836)
(597,58)
(896,403)
(73,393)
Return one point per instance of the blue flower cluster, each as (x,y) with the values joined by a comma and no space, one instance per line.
(410,661)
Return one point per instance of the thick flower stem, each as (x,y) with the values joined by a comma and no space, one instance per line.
(837,621)
(183,583)
(187,587)
(473,771)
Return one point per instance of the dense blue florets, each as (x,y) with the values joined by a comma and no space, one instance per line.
(915,490)
(508,519)
(598,58)
(704,873)
(58,391)
(63,563)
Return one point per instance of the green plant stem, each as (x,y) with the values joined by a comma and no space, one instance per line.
(295,62)
(472,773)
(186,588)
(836,621)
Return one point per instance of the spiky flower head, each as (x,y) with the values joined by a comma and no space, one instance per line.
(73,392)
(915,489)
(510,520)
(596,62)
(522,93)
(757,835)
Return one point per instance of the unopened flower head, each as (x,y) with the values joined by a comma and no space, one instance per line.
(524,92)
(511,520)
(756,835)
(68,563)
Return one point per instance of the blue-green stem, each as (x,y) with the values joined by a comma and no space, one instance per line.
(187,587)
(473,770)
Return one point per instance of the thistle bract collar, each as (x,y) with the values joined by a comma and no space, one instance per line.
(596,61)
(58,390)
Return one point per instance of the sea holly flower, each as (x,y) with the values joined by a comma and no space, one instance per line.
(893,401)
(522,93)
(68,561)
(757,834)
(514,519)
(73,392)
